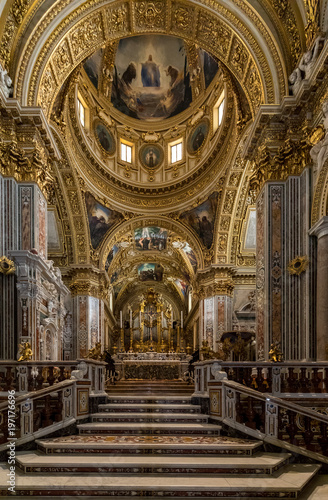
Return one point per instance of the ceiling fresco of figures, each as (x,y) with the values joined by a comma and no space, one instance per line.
(202,218)
(150,238)
(100,218)
(104,75)
(150,75)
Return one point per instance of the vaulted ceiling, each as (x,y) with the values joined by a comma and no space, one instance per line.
(149,74)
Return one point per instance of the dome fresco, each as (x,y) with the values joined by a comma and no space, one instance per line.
(149,77)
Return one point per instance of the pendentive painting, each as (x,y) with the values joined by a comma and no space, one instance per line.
(151,78)
(197,137)
(111,256)
(105,138)
(150,272)
(182,286)
(202,219)
(150,238)
(92,67)
(101,219)
(151,155)
(191,255)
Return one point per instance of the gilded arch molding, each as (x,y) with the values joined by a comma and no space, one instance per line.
(57,47)
(320,197)
(120,233)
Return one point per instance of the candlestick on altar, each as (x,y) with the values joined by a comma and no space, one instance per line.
(122,341)
(178,340)
(131,340)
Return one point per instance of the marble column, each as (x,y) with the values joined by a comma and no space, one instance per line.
(22,228)
(284,301)
(89,293)
(320,230)
(215,304)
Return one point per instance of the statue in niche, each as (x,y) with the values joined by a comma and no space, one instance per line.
(295,80)
(309,58)
(6,82)
(319,152)
(305,67)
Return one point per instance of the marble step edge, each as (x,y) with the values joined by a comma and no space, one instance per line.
(165,398)
(216,449)
(289,479)
(260,463)
(148,415)
(171,427)
(145,406)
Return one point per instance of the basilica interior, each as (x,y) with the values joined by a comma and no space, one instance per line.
(164,248)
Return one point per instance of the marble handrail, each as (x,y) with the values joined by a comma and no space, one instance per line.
(289,378)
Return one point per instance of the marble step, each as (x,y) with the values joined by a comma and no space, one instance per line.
(287,482)
(149,428)
(149,445)
(261,463)
(144,399)
(149,417)
(149,408)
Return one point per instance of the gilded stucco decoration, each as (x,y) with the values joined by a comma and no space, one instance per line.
(298,265)
(159,16)
(7,266)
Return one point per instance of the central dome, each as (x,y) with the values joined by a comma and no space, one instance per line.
(151,77)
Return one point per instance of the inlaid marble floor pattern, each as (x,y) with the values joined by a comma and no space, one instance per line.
(156,447)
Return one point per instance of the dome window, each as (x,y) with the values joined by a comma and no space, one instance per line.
(176,151)
(126,152)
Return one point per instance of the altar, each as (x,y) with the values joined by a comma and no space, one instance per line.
(150,348)
(151,366)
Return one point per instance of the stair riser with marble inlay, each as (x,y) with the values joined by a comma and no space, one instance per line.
(144,408)
(150,418)
(262,463)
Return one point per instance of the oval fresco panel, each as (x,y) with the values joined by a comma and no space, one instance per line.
(151,155)
(105,138)
(197,137)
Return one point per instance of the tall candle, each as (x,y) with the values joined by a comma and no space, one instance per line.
(130,318)
(121,319)
(181,319)
(162,320)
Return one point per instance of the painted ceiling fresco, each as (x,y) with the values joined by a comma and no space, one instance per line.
(150,272)
(150,76)
(202,219)
(150,238)
(191,255)
(100,218)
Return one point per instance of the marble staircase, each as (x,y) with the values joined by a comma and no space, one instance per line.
(156,445)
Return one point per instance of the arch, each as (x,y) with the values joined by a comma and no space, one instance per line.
(67,34)
(49,342)
(117,234)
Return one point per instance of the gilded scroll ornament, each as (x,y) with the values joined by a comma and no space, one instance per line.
(150,14)
(7,266)
(298,265)
(182,17)
(313,20)
(25,352)
(86,35)
(118,19)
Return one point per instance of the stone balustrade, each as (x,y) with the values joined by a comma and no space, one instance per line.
(289,379)
(28,376)
(277,421)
